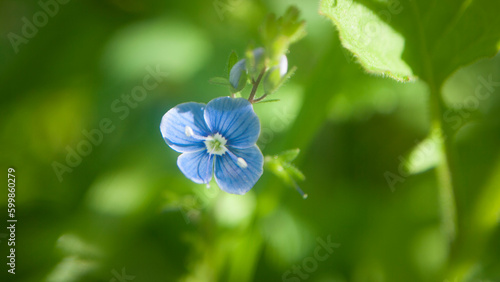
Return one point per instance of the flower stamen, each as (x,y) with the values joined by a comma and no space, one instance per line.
(190,133)
(216,144)
(241,163)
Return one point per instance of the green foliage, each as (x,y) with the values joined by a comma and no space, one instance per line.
(273,81)
(233,59)
(267,101)
(287,156)
(281,165)
(127,208)
(254,64)
(220,81)
(377,45)
(407,39)
(430,40)
(278,33)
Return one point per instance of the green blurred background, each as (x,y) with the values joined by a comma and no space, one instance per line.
(127,209)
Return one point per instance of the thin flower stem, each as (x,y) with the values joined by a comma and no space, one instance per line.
(260,98)
(296,186)
(255,86)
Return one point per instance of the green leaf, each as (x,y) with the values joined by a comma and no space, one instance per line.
(269,90)
(271,80)
(428,39)
(294,172)
(278,33)
(407,39)
(220,81)
(233,59)
(289,156)
(267,101)
(291,26)
(281,165)
(357,25)
(425,155)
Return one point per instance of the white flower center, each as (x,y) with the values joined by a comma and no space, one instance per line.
(216,144)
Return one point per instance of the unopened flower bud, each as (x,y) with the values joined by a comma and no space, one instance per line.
(274,75)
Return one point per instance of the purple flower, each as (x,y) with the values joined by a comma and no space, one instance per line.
(218,138)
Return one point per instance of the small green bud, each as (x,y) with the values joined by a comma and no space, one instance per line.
(253,64)
(238,76)
(274,76)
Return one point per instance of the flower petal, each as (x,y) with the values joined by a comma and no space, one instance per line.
(283,65)
(173,127)
(235,179)
(236,72)
(234,119)
(197,166)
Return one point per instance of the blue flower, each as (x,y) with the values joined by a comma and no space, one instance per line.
(218,138)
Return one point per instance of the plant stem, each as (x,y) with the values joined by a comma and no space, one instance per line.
(446,194)
(255,86)
(260,98)
(444,171)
